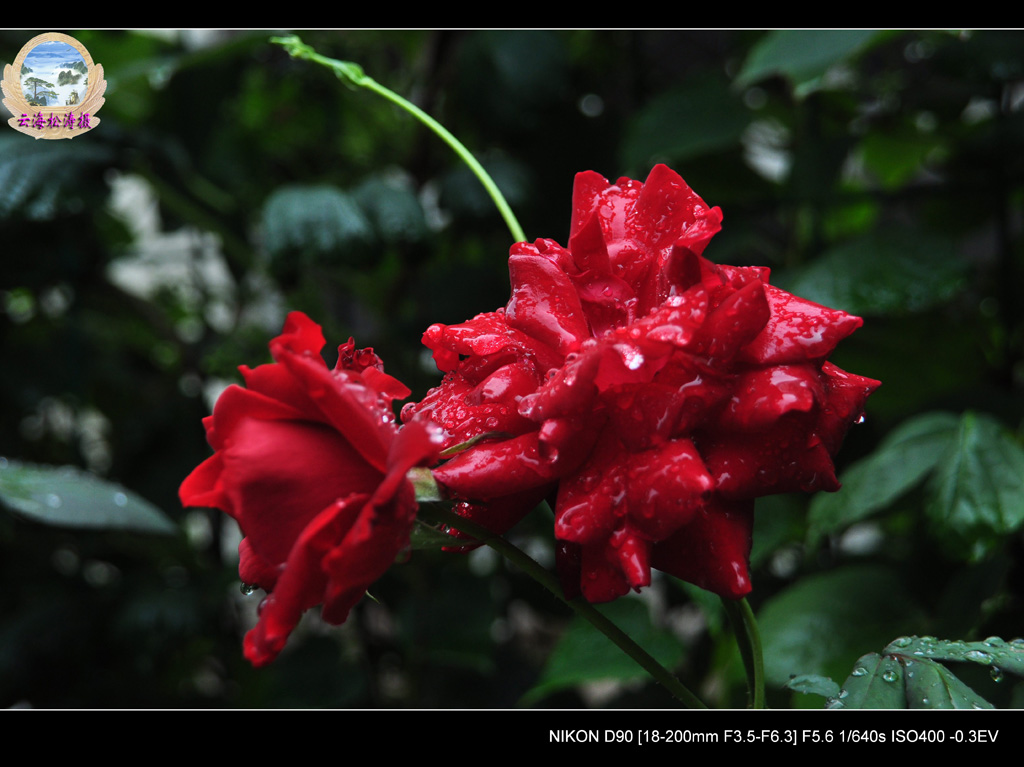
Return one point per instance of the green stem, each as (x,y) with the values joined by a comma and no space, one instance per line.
(352,74)
(443,515)
(749,639)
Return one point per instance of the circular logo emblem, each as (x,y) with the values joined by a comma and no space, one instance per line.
(53,89)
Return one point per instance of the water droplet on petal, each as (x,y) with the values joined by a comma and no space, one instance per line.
(247,589)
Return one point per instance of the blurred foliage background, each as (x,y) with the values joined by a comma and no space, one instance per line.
(881,172)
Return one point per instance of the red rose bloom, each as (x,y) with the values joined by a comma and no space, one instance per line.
(653,394)
(311,464)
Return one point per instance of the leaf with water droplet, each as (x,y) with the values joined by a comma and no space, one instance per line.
(993,652)
(935,686)
(878,683)
(69,497)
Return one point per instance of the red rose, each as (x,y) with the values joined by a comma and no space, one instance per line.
(651,392)
(311,464)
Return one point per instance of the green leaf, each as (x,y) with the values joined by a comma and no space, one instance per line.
(780,521)
(900,272)
(994,652)
(392,207)
(902,460)
(897,158)
(37,176)
(908,676)
(977,491)
(68,497)
(803,55)
(820,624)
(584,654)
(813,684)
(698,117)
(932,685)
(876,682)
(312,220)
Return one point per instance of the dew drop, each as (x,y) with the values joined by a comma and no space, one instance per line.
(996,673)
(53,501)
(859,671)
(120,499)
(979,656)
(902,642)
(889,676)
(247,589)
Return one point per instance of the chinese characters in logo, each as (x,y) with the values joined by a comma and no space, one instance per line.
(68,120)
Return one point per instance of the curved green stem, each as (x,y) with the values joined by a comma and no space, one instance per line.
(749,639)
(442,515)
(352,74)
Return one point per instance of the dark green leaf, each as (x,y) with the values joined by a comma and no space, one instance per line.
(36,176)
(698,117)
(312,219)
(392,207)
(820,624)
(895,160)
(901,461)
(68,497)
(463,194)
(899,272)
(977,491)
(803,55)
(780,520)
(585,655)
